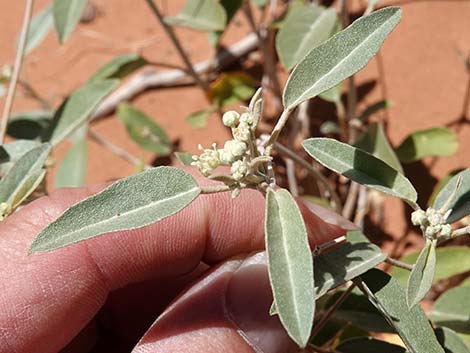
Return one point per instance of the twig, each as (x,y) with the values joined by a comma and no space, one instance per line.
(152,79)
(362,207)
(336,201)
(16,70)
(343,120)
(291,179)
(397,263)
(31,92)
(113,148)
(171,34)
(269,64)
(326,316)
(350,203)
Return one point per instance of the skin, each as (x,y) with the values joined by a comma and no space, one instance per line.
(102,295)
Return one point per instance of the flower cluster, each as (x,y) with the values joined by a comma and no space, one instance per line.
(241,154)
(433,222)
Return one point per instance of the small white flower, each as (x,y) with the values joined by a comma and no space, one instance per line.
(239,170)
(207,161)
(419,218)
(230,118)
(247,119)
(233,150)
(241,133)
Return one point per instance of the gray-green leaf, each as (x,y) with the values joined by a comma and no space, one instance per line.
(452,261)
(184,158)
(130,203)
(198,120)
(450,340)
(361,167)
(24,176)
(290,265)
(67,14)
(339,57)
(73,167)
(452,309)
(412,325)
(304,28)
(40,26)
(12,151)
(437,141)
(144,131)
(201,15)
(119,67)
(376,143)
(422,275)
(460,203)
(77,108)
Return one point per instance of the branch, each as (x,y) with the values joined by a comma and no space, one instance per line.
(171,34)
(397,263)
(152,79)
(115,149)
(16,70)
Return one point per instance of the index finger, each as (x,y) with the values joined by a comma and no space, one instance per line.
(46,299)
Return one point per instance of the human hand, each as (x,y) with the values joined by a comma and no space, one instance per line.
(101,295)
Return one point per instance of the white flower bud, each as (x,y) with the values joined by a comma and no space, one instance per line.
(207,161)
(446,230)
(241,133)
(419,218)
(234,150)
(431,231)
(230,118)
(247,119)
(239,170)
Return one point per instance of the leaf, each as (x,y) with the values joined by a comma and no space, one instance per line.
(67,14)
(332,95)
(130,203)
(434,142)
(29,125)
(290,265)
(304,28)
(339,57)
(376,143)
(119,67)
(72,169)
(373,108)
(185,158)
(460,204)
(347,261)
(440,185)
(360,166)
(231,7)
(198,120)
(389,297)
(24,176)
(422,275)
(11,152)
(450,340)
(452,261)
(39,27)
(201,15)
(368,345)
(452,310)
(144,131)
(77,108)
(231,88)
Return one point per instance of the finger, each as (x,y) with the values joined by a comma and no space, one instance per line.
(60,291)
(227,311)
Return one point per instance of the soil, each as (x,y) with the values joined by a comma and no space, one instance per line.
(423,76)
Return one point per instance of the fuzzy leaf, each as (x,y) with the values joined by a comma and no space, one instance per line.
(422,275)
(450,340)
(333,94)
(376,143)
(360,166)
(184,158)
(130,203)
(77,108)
(452,309)
(389,297)
(201,15)
(67,14)
(429,142)
(290,265)
(198,120)
(460,203)
(12,151)
(143,130)
(39,27)
(304,28)
(72,168)
(119,67)
(339,57)
(24,176)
